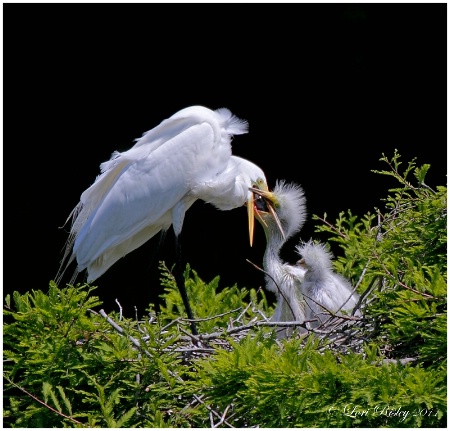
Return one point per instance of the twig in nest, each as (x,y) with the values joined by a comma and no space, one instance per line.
(120,308)
(214,335)
(222,419)
(205,319)
(212,411)
(120,330)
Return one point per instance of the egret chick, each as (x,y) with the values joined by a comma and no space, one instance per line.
(323,288)
(145,190)
(282,213)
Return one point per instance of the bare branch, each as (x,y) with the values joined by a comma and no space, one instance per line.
(205,319)
(44,404)
(212,412)
(120,308)
(135,342)
(333,227)
(222,419)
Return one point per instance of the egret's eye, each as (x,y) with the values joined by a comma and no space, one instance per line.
(259,184)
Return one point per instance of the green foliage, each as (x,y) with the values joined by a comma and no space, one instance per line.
(300,386)
(69,364)
(216,306)
(400,257)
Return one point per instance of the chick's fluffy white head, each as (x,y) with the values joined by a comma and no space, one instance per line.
(290,206)
(316,257)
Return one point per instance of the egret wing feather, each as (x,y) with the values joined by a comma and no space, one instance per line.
(144,192)
(146,189)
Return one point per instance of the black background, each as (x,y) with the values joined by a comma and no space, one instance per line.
(326,89)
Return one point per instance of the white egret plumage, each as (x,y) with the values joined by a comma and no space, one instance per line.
(285,207)
(145,190)
(324,290)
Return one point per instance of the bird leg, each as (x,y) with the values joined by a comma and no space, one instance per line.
(154,258)
(179,278)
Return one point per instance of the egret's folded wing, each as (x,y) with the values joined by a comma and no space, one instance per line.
(187,124)
(110,256)
(219,120)
(90,200)
(144,191)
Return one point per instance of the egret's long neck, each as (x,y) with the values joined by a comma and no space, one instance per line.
(274,243)
(272,262)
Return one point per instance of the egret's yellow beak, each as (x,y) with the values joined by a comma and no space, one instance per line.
(251,217)
(270,203)
(251,208)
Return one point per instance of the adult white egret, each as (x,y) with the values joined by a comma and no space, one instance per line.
(145,190)
(282,211)
(324,290)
